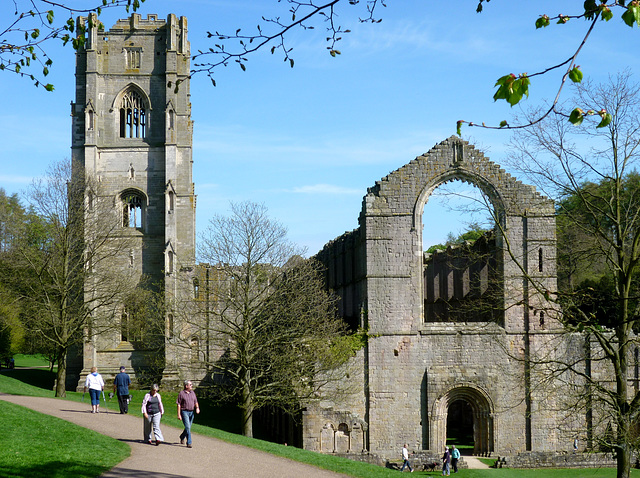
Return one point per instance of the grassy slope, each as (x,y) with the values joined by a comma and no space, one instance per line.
(37,445)
(22,382)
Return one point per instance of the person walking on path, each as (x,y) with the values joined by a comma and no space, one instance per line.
(446,462)
(95,384)
(121,388)
(152,410)
(455,456)
(405,458)
(187,404)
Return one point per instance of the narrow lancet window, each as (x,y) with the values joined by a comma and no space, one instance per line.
(540,260)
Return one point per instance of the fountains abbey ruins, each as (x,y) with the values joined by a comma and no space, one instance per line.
(457,338)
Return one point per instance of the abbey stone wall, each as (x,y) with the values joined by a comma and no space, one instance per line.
(413,370)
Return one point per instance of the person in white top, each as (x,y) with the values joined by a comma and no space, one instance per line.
(405,458)
(95,384)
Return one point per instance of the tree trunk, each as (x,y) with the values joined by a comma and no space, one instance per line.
(247,409)
(623,459)
(61,377)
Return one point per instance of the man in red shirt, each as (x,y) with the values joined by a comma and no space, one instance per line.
(187,405)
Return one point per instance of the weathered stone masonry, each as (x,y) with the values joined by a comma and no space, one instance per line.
(132,132)
(414,369)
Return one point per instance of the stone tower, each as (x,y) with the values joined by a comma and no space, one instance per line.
(132,133)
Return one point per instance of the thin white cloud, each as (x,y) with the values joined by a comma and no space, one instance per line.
(326,189)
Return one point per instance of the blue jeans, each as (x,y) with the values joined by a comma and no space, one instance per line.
(407,464)
(187,420)
(95,396)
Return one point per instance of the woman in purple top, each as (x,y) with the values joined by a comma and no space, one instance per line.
(152,410)
(187,405)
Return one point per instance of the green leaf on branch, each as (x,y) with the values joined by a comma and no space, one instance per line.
(606,119)
(542,22)
(50,16)
(504,123)
(576,116)
(606,14)
(459,127)
(632,15)
(575,74)
(590,8)
(512,88)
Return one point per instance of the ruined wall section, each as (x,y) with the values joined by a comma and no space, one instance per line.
(343,259)
(461,283)
(415,369)
(392,218)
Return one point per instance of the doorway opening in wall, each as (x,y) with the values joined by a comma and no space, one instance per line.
(460,427)
(460,255)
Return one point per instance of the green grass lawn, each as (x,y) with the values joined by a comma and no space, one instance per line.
(22,360)
(35,445)
(215,422)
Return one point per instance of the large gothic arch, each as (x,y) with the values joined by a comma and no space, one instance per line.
(392,215)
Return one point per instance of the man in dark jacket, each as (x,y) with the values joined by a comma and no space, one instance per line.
(121,388)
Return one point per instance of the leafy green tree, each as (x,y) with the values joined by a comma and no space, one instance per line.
(61,291)
(474,233)
(13,220)
(593,177)
(271,330)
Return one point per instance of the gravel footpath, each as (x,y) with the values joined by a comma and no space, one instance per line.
(209,457)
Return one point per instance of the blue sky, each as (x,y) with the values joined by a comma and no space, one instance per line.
(308,141)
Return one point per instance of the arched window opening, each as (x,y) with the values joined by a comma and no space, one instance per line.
(172,119)
(90,200)
(132,207)
(170,262)
(195,350)
(131,324)
(133,115)
(171,200)
(542,319)
(196,289)
(460,265)
(90,120)
(540,260)
(124,326)
(170,326)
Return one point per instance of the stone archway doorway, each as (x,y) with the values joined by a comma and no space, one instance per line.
(464,416)
(460,426)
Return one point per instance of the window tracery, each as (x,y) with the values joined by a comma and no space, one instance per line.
(132,210)
(133,115)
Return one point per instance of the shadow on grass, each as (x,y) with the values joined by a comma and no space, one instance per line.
(53,469)
(37,377)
